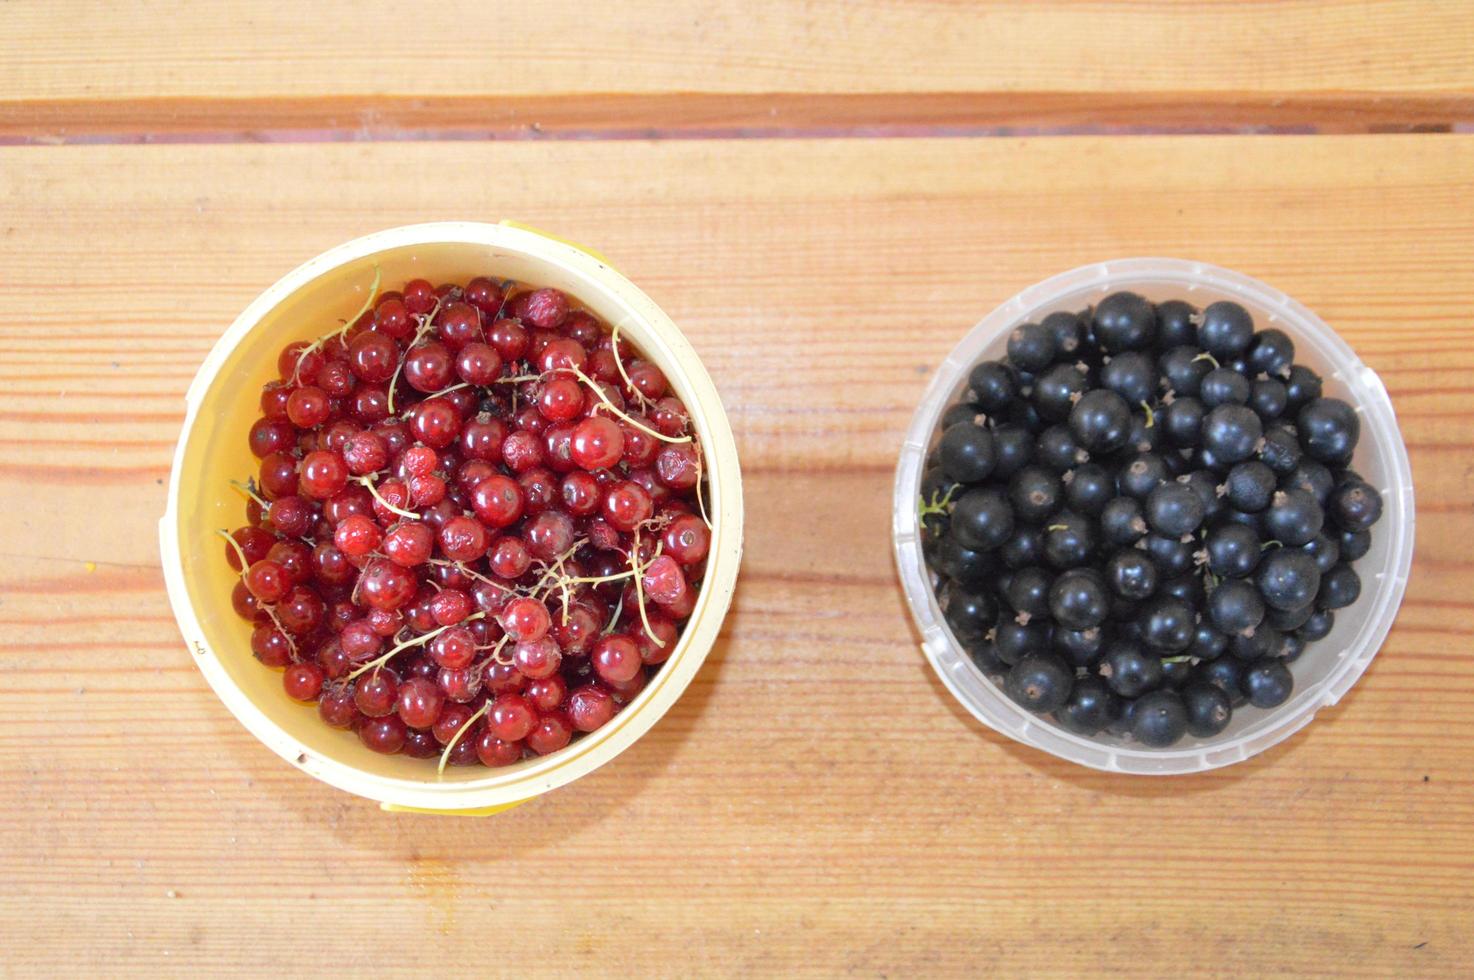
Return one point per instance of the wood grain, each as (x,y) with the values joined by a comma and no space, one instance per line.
(816,803)
(172,69)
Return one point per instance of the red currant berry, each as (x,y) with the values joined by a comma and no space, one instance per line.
(419,702)
(590,707)
(303,682)
(616,658)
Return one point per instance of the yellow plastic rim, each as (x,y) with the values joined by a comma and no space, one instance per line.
(221,404)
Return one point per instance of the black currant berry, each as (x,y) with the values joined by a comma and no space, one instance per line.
(1267,683)
(1339,588)
(966,452)
(993,385)
(1209,709)
(1125,321)
(1355,505)
(1040,682)
(1287,579)
(1167,625)
(1233,550)
(1232,433)
(1249,486)
(1329,430)
(1158,719)
(1130,670)
(1078,600)
(982,519)
(1226,329)
(1293,518)
(1091,707)
(1235,606)
(1174,509)
(1175,325)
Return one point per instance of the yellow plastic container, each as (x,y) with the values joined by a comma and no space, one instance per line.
(222,403)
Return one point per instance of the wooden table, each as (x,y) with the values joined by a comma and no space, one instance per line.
(816,803)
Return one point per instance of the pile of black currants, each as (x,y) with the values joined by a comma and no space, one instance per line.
(1141,516)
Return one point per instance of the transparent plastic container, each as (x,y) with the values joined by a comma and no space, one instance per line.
(222,403)
(1327,668)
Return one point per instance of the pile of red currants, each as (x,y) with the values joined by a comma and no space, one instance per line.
(478,524)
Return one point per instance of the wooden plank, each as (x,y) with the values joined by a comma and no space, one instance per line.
(816,803)
(378,69)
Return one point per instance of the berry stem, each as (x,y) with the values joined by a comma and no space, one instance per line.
(368,301)
(599,392)
(247,490)
(640,586)
(368,482)
(413,641)
(619,363)
(460,733)
(420,332)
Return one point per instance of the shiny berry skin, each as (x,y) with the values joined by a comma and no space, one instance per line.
(1040,682)
(419,702)
(357,535)
(508,558)
(626,505)
(454,648)
(543,308)
(303,682)
(560,400)
(463,539)
(267,581)
(376,693)
(1158,719)
(663,581)
(616,658)
(494,752)
(435,422)
(548,535)
(687,539)
(597,443)
(538,658)
(551,733)
(522,450)
(525,619)
(322,474)
(383,735)
(409,545)
(590,708)
(385,585)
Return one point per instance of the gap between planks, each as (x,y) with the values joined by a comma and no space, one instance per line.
(710,115)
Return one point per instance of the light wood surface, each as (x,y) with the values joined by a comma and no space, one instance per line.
(816,803)
(76,68)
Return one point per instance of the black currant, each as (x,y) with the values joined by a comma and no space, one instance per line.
(1233,550)
(1226,329)
(1131,574)
(1339,588)
(1329,430)
(1130,670)
(1101,421)
(1175,326)
(1287,579)
(1091,706)
(1174,509)
(1125,321)
(1249,486)
(1209,709)
(1272,353)
(1158,719)
(1235,606)
(994,385)
(1078,600)
(1232,433)
(967,452)
(1355,505)
(1089,488)
(1040,682)
(1267,683)
(1035,492)
(1294,518)
(982,519)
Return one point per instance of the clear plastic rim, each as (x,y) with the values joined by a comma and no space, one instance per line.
(996,710)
